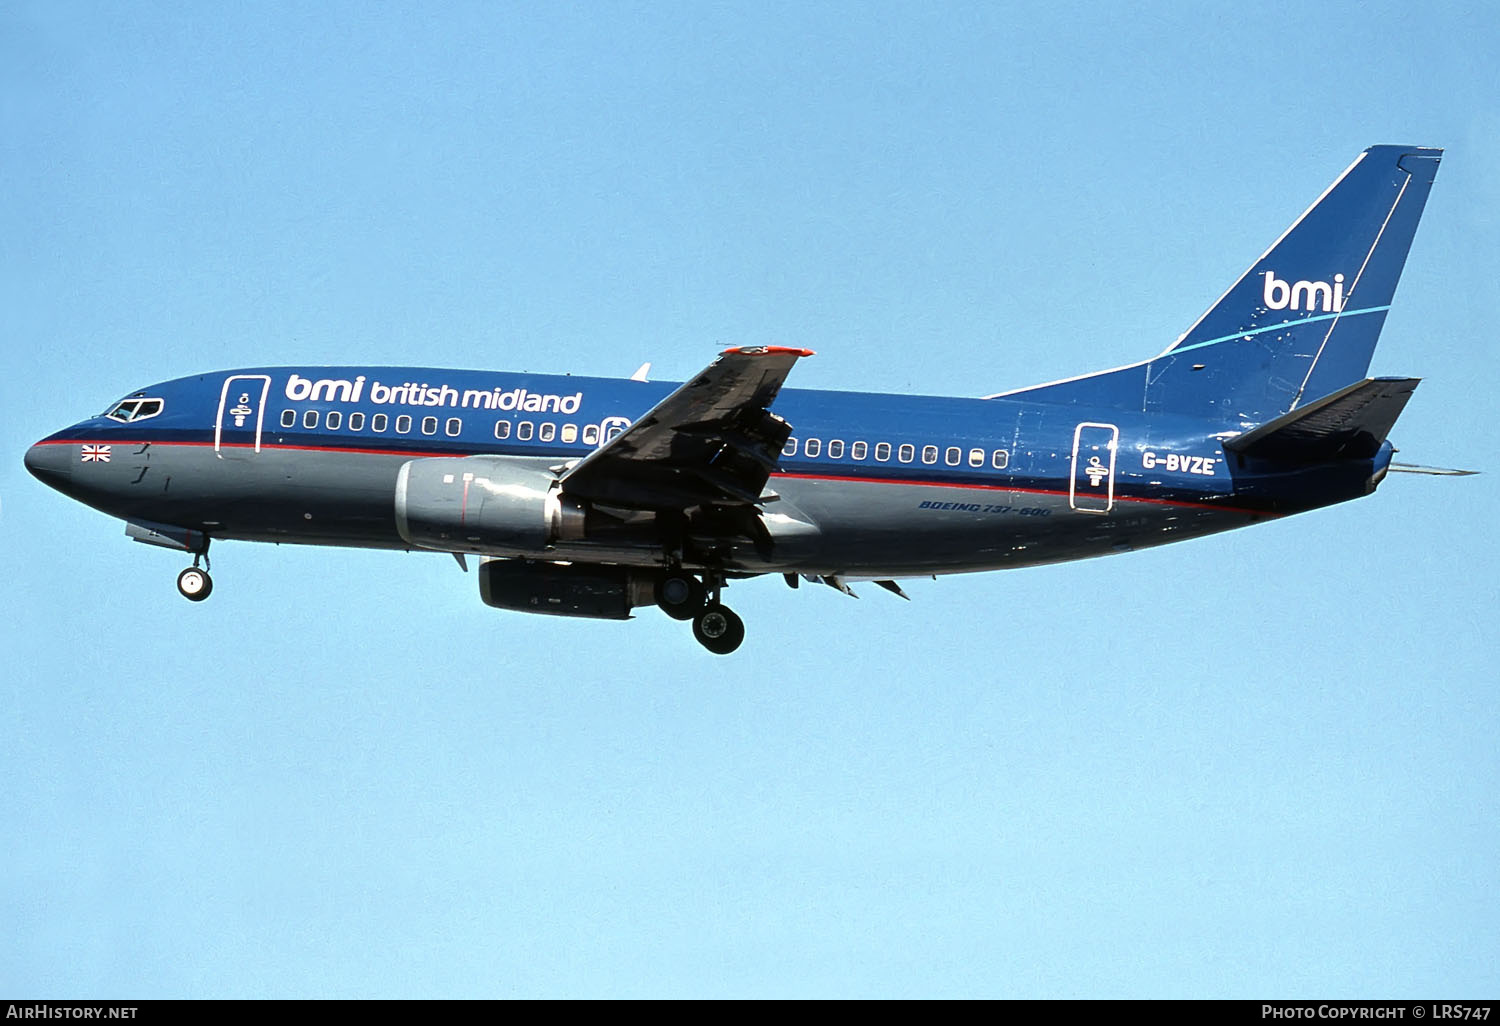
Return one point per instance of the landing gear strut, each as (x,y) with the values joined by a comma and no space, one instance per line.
(683,596)
(194,583)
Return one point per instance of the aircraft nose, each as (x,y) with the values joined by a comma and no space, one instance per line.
(49,464)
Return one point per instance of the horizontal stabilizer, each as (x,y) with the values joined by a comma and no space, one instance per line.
(1414,468)
(1349,424)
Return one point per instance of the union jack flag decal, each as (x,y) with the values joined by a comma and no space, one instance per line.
(95,454)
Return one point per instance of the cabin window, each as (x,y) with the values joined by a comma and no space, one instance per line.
(858,451)
(403,424)
(591,434)
(453,427)
(836,449)
(569,434)
(524,430)
(429,425)
(310,419)
(882,451)
(502,429)
(929,454)
(976,457)
(1000,459)
(790,448)
(288,418)
(906,453)
(356,422)
(953,456)
(378,422)
(334,420)
(546,432)
(811,448)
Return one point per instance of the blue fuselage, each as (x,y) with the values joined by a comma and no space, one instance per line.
(869,484)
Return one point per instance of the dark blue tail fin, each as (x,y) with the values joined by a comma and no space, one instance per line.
(1301,323)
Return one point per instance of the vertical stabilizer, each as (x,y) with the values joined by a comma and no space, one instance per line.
(1301,323)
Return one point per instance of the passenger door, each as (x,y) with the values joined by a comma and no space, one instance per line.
(241,416)
(1092,489)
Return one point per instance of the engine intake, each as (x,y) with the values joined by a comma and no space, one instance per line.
(490,504)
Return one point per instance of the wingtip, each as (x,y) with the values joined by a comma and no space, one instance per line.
(767,351)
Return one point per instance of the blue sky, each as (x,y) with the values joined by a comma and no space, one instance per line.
(1258,764)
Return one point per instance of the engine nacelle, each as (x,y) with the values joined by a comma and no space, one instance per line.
(564,589)
(489,504)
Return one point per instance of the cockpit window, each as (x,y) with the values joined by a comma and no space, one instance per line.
(128,410)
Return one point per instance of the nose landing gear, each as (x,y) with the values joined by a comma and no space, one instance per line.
(194,584)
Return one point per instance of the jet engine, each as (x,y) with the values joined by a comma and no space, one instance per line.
(491,504)
(564,589)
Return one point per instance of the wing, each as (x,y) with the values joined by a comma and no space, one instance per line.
(712,442)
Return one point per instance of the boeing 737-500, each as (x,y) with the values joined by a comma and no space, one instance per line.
(591,496)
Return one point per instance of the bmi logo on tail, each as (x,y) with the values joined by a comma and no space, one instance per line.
(1304,295)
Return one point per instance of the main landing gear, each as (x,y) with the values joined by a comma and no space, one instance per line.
(718,629)
(194,583)
(684,597)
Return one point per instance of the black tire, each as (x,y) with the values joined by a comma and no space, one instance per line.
(680,596)
(718,629)
(194,584)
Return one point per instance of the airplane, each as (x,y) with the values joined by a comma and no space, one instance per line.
(590,497)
